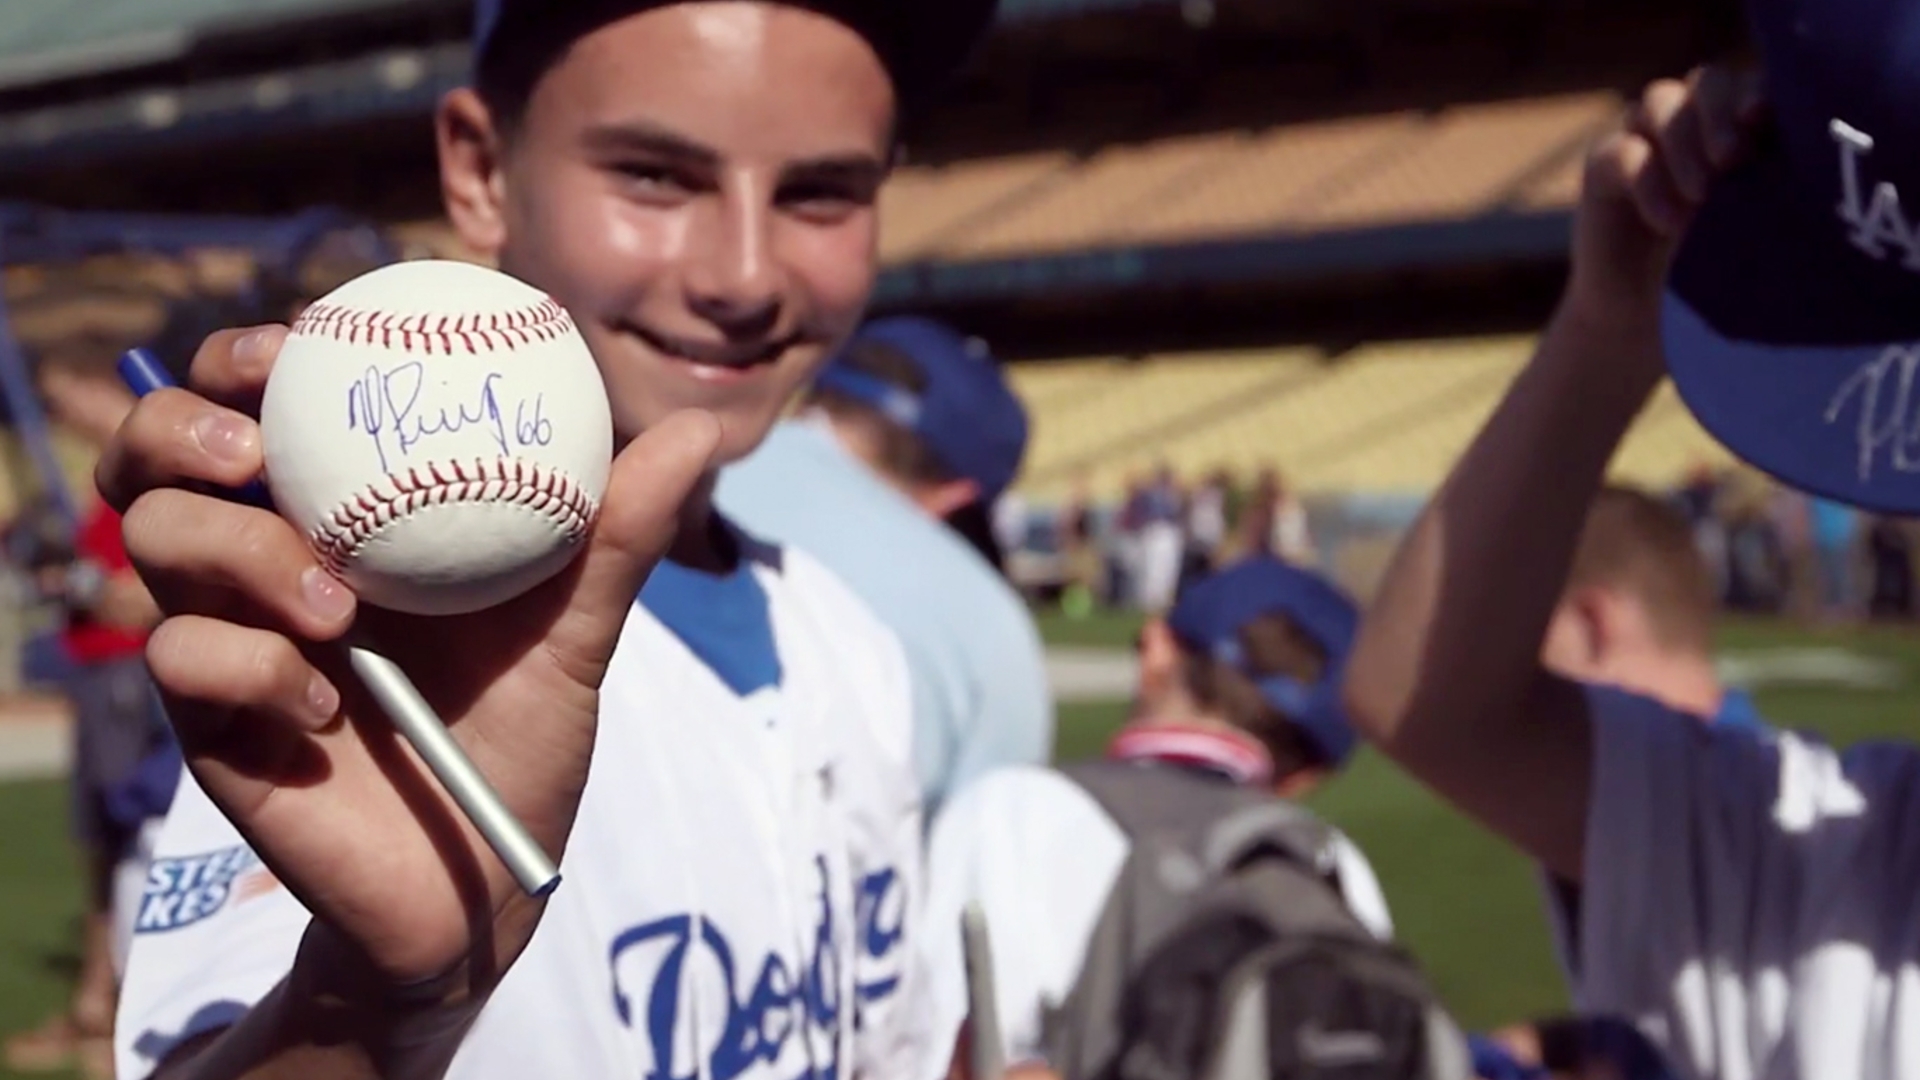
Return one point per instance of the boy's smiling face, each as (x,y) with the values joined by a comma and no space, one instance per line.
(697,183)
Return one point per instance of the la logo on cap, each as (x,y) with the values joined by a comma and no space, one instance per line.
(1880,221)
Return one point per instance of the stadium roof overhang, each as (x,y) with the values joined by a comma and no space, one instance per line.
(1277,260)
(110,79)
(403,82)
(46,49)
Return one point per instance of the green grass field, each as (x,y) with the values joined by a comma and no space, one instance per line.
(1465,904)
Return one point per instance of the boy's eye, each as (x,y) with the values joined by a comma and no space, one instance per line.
(824,202)
(653,179)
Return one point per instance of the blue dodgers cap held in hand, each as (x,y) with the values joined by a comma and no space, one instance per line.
(923,43)
(967,416)
(1792,317)
(1209,616)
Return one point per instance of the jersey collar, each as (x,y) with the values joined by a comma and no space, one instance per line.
(1233,754)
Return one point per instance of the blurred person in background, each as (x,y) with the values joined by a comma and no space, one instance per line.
(1755,570)
(1836,547)
(1206,525)
(1162,540)
(1275,523)
(1700,500)
(1012,517)
(124,760)
(1236,688)
(1638,613)
(1790,513)
(1123,548)
(910,430)
(1086,562)
(1890,554)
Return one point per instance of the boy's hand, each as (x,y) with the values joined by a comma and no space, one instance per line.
(276,730)
(1644,183)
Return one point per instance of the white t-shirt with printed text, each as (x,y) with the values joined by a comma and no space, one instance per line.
(1749,898)
(738,888)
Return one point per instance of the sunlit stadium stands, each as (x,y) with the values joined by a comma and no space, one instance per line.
(923,208)
(1383,419)
(1115,413)
(1450,164)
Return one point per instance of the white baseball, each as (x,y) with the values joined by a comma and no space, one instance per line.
(440,433)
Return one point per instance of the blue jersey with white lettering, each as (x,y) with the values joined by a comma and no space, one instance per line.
(738,885)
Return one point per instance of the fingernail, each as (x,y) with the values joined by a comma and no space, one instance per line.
(326,597)
(255,349)
(323,701)
(225,435)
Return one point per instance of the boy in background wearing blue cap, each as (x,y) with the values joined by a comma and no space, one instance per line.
(1745,901)
(910,426)
(711,735)
(1238,683)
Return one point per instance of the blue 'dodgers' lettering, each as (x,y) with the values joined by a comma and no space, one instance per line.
(387,407)
(762,1018)
(768,1004)
(881,913)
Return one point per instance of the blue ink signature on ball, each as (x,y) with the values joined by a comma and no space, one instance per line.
(385,405)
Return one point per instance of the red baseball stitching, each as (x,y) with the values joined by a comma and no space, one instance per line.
(340,536)
(436,333)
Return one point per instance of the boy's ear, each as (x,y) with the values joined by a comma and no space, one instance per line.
(472,180)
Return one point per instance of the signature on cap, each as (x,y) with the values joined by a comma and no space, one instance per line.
(1887,424)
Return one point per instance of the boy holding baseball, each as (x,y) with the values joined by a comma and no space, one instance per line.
(723,767)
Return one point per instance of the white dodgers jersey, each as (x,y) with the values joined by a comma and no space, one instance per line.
(738,892)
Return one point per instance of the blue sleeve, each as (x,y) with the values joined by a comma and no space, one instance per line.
(1013,716)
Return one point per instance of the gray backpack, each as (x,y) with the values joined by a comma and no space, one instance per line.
(1226,952)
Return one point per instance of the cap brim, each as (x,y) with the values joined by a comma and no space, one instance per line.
(1795,349)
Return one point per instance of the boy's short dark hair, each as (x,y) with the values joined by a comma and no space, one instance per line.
(903,454)
(1637,543)
(1272,645)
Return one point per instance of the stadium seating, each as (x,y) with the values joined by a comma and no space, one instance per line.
(1450,164)
(1384,419)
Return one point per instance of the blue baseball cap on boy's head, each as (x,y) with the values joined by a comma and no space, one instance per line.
(1792,316)
(965,413)
(923,43)
(1209,616)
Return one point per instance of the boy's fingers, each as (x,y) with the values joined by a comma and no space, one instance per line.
(176,438)
(232,365)
(194,547)
(232,682)
(1721,96)
(1666,121)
